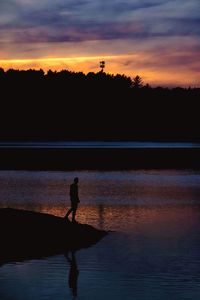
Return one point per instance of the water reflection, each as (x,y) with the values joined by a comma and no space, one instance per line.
(153,254)
(73,273)
(130,218)
(106,188)
(101,216)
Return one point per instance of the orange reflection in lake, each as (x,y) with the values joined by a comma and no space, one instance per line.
(150,221)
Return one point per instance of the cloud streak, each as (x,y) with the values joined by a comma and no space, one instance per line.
(84,20)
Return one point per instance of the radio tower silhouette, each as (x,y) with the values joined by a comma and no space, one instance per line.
(102,65)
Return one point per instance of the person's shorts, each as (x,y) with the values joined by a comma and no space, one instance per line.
(74,206)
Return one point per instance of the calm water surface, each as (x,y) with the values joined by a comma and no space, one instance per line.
(154,252)
(98,144)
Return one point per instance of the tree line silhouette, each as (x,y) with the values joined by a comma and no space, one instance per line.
(69,105)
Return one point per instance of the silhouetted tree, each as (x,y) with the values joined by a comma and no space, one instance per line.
(97,106)
(2,72)
(137,82)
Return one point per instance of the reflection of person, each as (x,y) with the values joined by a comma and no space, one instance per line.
(74,200)
(73,273)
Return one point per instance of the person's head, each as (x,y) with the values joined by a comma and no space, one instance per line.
(76,180)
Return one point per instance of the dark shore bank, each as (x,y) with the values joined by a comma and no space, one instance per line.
(104,159)
(28,235)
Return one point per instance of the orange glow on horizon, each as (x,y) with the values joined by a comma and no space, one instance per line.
(115,64)
(68,59)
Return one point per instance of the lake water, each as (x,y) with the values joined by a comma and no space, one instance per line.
(98,145)
(153,253)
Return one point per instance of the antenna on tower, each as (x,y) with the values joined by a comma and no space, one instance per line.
(102,65)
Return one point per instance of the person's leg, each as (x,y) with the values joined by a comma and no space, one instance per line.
(74,208)
(68,213)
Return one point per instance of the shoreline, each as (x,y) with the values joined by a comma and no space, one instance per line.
(28,234)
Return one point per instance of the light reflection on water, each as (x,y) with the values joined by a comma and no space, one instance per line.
(154,252)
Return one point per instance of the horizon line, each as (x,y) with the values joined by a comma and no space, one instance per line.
(7,64)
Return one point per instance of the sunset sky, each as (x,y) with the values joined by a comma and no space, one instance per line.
(157,39)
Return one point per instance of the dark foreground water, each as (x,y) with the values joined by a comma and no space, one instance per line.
(154,252)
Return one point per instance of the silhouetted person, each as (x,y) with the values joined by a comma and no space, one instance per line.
(73,273)
(74,199)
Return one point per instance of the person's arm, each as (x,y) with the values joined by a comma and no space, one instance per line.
(78,200)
